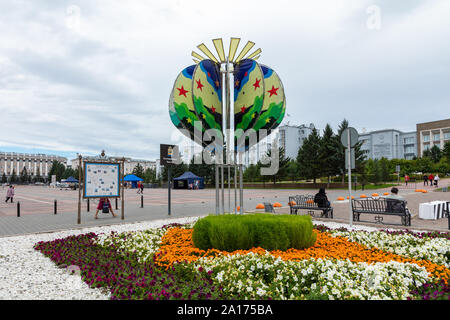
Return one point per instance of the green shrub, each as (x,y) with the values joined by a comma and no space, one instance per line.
(242,232)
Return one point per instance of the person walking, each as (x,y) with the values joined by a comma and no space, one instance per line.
(10,194)
(142,188)
(431,179)
(425,179)
(436,180)
(105,205)
(406,179)
(138,187)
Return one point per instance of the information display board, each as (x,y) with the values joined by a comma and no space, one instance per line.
(101,180)
(169,154)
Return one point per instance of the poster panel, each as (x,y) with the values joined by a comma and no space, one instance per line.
(101,180)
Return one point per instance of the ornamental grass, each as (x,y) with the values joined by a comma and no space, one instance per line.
(177,246)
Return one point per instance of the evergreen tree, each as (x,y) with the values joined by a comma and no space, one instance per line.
(57,169)
(138,171)
(435,154)
(309,155)
(328,153)
(283,163)
(13,178)
(24,175)
(446,151)
(292,170)
(360,155)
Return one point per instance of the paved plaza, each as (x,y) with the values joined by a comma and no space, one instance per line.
(37,207)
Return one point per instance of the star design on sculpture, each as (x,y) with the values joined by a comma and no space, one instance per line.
(273,91)
(199,84)
(243,109)
(182,91)
(256,84)
(213,109)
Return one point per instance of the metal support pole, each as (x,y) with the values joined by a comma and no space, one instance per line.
(116,204)
(349,158)
(88,205)
(222,211)
(18,208)
(122,171)
(79,188)
(55,211)
(217,188)
(142,201)
(235,189)
(229,191)
(168,187)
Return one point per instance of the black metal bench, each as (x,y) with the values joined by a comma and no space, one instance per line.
(306,202)
(381,206)
(268,207)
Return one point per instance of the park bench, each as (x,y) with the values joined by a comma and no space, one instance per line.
(447,212)
(306,202)
(380,207)
(268,207)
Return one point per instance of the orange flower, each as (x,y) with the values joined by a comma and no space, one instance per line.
(177,246)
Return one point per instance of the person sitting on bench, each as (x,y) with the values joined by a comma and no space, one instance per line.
(321,199)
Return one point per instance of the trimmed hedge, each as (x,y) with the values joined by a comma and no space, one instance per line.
(232,232)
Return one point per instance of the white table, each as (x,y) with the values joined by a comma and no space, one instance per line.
(432,210)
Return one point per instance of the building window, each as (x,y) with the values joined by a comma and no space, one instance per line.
(426,147)
(409,149)
(446,135)
(438,145)
(426,138)
(436,137)
(409,140)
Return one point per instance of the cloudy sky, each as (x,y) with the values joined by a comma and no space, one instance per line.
(86,75)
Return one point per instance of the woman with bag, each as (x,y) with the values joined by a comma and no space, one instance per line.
(105,205)
(10,194)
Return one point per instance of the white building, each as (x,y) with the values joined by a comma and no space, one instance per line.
(129,164)
(390,144)
(35,164)
(291,138)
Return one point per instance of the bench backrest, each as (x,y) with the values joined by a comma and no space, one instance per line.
(268,207)
(304,200)
(379,205)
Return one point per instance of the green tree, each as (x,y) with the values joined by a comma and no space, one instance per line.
(24,175)
(328,153)
(138,170)
(435,154)
(4,179)
(13,177)
(292,170)
(446,151)
(283,162)
(360,155)
(251,173)
(57,168)
(308,155)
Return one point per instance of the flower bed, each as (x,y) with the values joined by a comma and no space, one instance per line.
(342,264)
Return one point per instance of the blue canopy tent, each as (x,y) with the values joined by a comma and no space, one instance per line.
(133,179)
(71,180)
(188,179)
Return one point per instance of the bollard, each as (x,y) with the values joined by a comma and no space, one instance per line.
(142,201)
(88,204)
(116,204)
(55,207)
(18,208)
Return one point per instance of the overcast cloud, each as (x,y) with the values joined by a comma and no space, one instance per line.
(82,76)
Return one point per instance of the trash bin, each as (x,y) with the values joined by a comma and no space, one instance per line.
(444,189)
